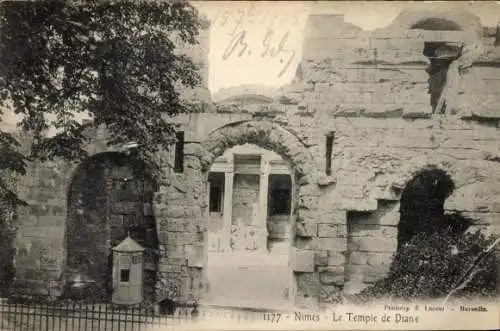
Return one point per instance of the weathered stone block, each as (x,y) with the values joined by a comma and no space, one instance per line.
(331,275)
(476,197)
(302,260)
(331,230)
(372,274)
(358,204)
(383,111)
(329,244)
(175,211)
(373,244)
(173,225)
(306,230)
(332,216)
(417,110)
(116,221)
(308,286)
(194,256)
(373,230)
(125,208)
(351,192)
(370,258)
(169,267)
(321,258)
(336,258)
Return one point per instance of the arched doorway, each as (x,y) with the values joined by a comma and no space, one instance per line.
(422,206)
(251,199)
(109,198)
(305,208)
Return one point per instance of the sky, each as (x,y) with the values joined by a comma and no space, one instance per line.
(233,64)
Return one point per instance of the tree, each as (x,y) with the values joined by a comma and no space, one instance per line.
(115,61)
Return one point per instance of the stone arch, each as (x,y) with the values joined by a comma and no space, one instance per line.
(271,136)
(457,170)
(436,24)
(249,98)
(462,174)
(118,200)
(446,74)
(264,134)
(457,20)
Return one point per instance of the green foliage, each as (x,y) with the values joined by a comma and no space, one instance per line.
(430,266)
(113,60)
(169,289)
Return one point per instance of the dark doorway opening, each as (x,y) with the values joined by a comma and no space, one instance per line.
(422,204)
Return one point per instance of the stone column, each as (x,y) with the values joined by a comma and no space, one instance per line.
(261,224)
(227,215)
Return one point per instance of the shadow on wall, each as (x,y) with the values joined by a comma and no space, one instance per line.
(110,196)
(422,206)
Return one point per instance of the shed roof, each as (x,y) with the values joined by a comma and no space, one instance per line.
(128,245)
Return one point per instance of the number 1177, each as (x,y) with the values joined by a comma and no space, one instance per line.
(272,317)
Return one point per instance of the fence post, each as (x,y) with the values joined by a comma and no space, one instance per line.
(105,316)
(60,310)
(92,316)
(85,318)
(99,316)
(9,315)
(66,315)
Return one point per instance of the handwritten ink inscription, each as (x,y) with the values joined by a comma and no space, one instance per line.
(273,45)
(270,48)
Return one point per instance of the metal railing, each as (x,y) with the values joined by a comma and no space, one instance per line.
(76,316)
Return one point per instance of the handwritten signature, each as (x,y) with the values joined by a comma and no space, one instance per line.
(270,48)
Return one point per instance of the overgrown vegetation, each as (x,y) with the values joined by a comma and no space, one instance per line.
(436,254)
(430,266)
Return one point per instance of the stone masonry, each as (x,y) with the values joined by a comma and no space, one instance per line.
(369,90)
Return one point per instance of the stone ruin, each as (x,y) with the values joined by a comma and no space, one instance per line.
(366,112)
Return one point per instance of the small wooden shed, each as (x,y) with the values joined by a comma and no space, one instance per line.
(128,266)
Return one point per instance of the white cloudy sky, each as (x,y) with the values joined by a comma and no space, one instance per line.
(252,68)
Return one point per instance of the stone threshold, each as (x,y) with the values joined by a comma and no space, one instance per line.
(248,306)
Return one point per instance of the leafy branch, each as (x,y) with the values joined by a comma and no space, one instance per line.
(468,276)
(116,63)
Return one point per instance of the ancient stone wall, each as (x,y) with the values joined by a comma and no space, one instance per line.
(369,90)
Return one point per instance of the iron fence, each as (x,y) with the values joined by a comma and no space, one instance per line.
(75,316)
